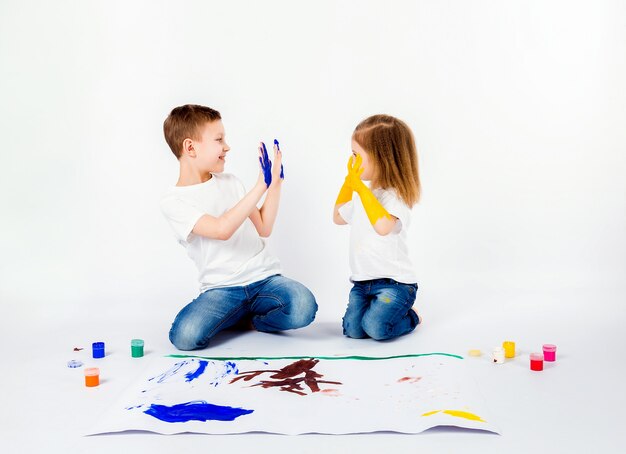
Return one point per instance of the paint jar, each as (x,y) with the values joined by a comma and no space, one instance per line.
(97,349)
(136,348)
(497,355)
(92,377)
(549,352)
(509,349)
(536,361)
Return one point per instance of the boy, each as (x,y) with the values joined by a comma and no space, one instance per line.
(221,227)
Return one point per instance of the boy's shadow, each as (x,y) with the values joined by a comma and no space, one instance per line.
(313,332)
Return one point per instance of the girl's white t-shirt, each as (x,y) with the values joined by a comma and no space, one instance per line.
(374,256)
(240,260)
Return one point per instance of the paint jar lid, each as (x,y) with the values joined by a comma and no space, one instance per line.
(549,348)
(475,352)
(91,371)
(136,343)
(536,356)
(74,363)
(508,343)
(498,349)
(98,345)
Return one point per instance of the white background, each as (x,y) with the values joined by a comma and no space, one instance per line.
(518,109)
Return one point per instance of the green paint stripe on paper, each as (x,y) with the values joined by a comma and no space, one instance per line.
(359,358)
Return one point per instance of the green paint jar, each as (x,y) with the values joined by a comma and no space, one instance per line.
(136,348)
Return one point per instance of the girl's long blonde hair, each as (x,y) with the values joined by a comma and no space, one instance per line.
(391,146)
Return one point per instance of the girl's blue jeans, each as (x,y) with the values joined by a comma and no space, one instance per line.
(380,309)
(274,304)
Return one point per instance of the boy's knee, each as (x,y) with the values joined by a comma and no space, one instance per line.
(303,308)
(186,339)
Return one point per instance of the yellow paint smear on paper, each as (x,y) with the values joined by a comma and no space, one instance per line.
(458,414)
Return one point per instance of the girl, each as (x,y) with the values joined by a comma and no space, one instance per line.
(381,300)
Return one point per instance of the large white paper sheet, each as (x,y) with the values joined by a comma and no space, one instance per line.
(330,395)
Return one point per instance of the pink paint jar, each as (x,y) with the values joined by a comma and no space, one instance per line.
(549,352)
(536,361)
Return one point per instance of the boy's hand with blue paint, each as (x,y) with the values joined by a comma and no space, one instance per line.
(271,172)
(266,164)
(277,147)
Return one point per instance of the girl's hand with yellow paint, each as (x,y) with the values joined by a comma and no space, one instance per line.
(373,208)
(345,193)
(353,179)
(353,183)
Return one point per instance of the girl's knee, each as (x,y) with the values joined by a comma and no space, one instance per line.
(353,330)
(377,329)
(384,329)
(351,324)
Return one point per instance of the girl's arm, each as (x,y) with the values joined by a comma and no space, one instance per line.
(378,216)
(337,219)
(263,219)
(385,225)
(344,196)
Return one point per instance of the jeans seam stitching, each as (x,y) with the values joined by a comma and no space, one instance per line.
(206,340)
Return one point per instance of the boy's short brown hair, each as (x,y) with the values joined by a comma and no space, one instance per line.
(185,122)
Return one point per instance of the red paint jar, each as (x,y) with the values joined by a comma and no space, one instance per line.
(536,361)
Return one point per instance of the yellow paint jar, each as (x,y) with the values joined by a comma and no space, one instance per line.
(509,349)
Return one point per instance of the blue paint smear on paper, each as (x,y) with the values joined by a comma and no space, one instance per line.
(195,411)
(230,368)
(132,408)
(176,368)
(199,371)
(169,373)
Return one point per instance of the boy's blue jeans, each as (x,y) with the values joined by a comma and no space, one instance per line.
(276,303)
(380,309)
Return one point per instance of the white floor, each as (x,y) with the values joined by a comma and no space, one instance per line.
(575,405)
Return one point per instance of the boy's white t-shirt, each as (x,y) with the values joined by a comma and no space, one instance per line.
(240,260)
(374,256)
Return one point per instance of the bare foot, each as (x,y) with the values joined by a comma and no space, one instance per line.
(419,317)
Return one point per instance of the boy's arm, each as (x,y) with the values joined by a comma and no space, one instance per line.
(264,218)
(223,227)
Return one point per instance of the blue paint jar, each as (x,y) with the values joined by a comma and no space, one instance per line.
(97,349)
